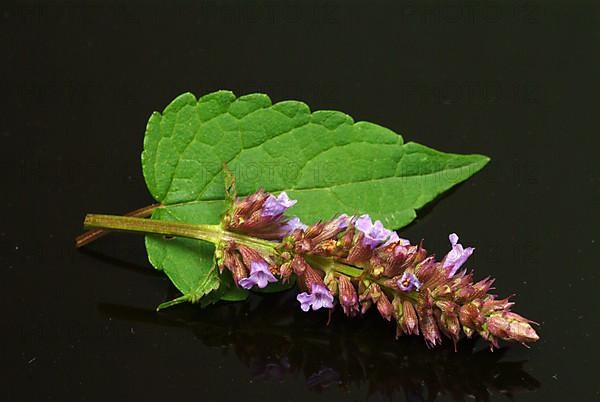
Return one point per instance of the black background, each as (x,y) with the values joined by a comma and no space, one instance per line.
(517,81)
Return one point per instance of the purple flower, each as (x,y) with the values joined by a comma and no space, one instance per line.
(408,282)
(395,238)
(343,221)
(457,256)
(374,233)
(275,206)
(318,297)
(259,275)
(293,224)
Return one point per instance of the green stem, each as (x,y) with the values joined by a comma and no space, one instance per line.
(211,233)
(95,234)
(208,233)
(329,264)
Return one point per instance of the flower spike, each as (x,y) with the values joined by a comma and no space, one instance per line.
(364,264)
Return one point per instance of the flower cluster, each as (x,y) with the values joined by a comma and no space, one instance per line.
(357,263)
(261,215)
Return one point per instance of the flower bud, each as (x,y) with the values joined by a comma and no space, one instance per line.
(426,268)
(498,326)
(409,321)
(465,294)
(400,251)
(447,306)
(233,262)
(314,229)
(249,255)
(511,326)
(310,278)
(377,263)
(326,248)
(442,291)
(468,331)
(416,254)
(360,251)
(375,292)
(347,296)
(299,265)
(470,316)
(481,288)
(364,297)
(347,238)
(491,304)
(429,328)
(388,258)
(331,283)
(285,271)
(365,305)
(450,326)
(330,229)
(517,317)
(522,332)
(385,308)
(245,207)
(303,246)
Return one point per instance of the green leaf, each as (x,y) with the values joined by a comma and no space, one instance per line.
(227,291)
(187,262)
(324,159)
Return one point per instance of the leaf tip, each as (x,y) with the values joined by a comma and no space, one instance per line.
(482,161)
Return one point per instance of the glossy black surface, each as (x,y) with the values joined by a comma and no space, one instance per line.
(78,83)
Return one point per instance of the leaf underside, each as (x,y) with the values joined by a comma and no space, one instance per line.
(324,159)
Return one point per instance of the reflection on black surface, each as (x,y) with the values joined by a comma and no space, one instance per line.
(119,262)
(272,337)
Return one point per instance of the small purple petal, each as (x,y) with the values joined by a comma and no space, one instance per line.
(247,283)
(318,298)
(259,276)
(408,282)
(274,206)
(453,239)
(317,303)
(374,233)
(457,256)
(363,223)
(343,221)
(323,298)
(293,224)
(395,238)
(305,301)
